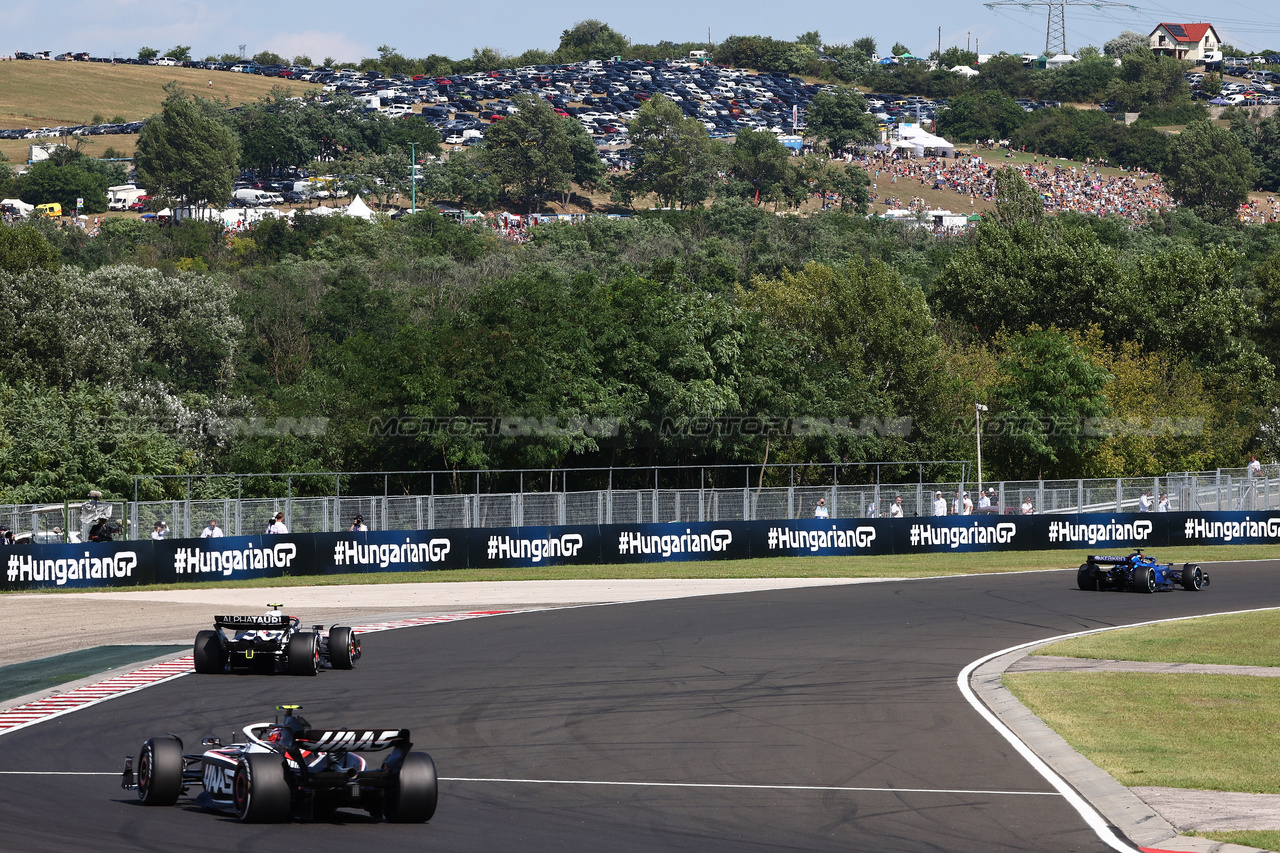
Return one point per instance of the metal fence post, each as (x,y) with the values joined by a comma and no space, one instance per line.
(1119,495)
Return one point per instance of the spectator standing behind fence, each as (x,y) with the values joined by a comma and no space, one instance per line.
(1144,502)
(1028,508)
(1163,506)
(1255,467)
(358,525)
(277,525)
(820,511)
(213,531)
(873,511)
(161,532)
(895,508)
(939,504)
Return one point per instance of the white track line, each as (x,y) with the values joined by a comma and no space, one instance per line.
(732,786)
(1091,816)
(121,685)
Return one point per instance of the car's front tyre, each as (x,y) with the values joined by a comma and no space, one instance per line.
(1144,579)
(1193,577)
(344,648)
(160,772)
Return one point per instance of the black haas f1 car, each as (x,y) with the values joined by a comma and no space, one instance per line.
(1139,573)
(273,642)
(287,769)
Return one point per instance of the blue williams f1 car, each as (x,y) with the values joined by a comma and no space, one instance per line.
(287,769)
(273,642)
(1139,573)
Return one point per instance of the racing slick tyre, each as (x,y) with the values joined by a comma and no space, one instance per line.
(1192,577)
(209,653)
(160,772)
(411,798)
(1086,579)
(303,654)
(1144,579)
(260,791)
(343,651)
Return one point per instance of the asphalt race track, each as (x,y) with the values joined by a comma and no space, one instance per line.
(811,719)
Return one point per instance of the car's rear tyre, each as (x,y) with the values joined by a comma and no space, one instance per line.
(260,791)
(1086,579)
(1192,577)
(343,648)
(160,772)
(303,654)
(1144,579)
(412,797)
(209,653)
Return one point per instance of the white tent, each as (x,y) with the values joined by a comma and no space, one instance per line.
(1062,59)
(965,71)
(915,137)
(359,209)
(18,206)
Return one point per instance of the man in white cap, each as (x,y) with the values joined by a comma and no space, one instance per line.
(939,504)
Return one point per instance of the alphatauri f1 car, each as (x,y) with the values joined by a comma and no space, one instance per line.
(273,642)
(288,769)
(1139,573)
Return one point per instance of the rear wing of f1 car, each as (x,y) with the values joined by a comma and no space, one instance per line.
(1105,560)
(252,623)
(353,740)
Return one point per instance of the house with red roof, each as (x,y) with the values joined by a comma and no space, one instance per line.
(1190,42)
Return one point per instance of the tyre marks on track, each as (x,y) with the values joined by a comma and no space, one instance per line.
(66,702)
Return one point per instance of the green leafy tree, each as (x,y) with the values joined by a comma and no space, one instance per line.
(900,49)
(1051,390)
(1146,80)
(866,46)
(840,119)
(1017,202)
(47,181)
(1210,171)
(185,152)
(23,248)
(303,60)
(1124,44)
(181,52)
(953,56)
(147,53)
(268,57)
(676,163)
(980,115)
(758,165)
(590,39)
(533,153)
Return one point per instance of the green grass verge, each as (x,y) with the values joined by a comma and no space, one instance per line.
(1248,639)
(892,566)
(1211,732)
(1263,839)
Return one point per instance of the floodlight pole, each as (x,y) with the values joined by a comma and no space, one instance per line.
(978,409)
(413,178)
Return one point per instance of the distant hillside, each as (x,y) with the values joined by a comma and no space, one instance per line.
(48,94)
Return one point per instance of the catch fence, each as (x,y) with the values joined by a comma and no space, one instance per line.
(577,497)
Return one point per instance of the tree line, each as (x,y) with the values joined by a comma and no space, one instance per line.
(1100,350)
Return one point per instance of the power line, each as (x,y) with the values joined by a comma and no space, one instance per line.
(1056,30)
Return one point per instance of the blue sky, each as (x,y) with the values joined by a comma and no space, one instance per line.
(350,31)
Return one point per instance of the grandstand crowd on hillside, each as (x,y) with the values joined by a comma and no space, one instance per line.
(1082,188)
